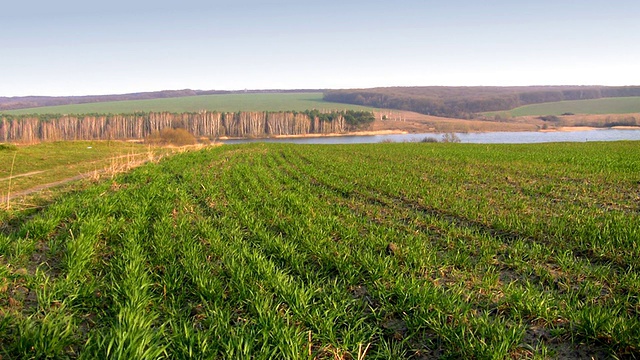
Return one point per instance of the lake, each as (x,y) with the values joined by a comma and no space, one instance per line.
(478,138)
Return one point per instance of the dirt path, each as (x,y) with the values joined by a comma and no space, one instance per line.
(49,185)
(91,162)
(86,175)
(109,170)
(22,175)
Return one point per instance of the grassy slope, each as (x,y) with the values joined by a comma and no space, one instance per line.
(285,251)
(623,105)
(222,103)
(45,163)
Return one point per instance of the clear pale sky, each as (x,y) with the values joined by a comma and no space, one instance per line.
(100,47)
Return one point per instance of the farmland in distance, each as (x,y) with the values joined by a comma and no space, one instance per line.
(351,251)
(219,102)
(620,105)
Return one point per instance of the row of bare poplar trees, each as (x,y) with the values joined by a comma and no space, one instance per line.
(34,128)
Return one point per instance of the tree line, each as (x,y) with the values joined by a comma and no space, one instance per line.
(34,128)
(466,102)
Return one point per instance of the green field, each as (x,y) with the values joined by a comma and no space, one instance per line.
(621,105)
(375,251)
(26,167)
(221,103)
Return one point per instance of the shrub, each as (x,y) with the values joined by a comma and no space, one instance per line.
(169,136)
(429,139)
(629,121)
(502,116)
(450,138)
(7,147)
(549,118)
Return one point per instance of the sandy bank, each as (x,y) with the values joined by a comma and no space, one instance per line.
(626,127)
(589,128)
(435,132)
(570,128)
(354,133)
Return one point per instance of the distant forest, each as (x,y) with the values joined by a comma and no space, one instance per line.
(467,102)
(25,102)
(36,128)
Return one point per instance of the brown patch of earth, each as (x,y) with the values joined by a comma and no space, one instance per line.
(413,122)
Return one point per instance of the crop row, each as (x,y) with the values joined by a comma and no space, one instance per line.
(366,251)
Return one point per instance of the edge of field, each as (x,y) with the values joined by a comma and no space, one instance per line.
(33,176)
(219,102)
(602,106)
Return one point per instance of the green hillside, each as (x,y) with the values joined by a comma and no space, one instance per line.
(221,103)
(620,105)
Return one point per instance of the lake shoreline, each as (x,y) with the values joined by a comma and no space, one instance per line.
(588,128)
(298,136)
(505,137)
(404,132)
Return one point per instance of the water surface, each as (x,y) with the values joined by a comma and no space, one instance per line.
(523,137)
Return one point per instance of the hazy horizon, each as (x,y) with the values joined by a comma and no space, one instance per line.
(239,91)
(73,48)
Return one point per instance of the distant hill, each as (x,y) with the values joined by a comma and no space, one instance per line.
(444,101)
(24,102)
(279,101)
(466,102)
(602,106)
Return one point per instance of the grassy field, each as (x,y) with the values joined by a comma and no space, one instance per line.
(379,251)
(221,103)
(26,167)
(622,105)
